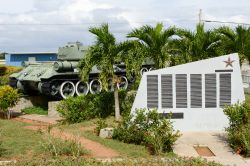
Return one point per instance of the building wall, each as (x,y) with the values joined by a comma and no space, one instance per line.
(2,62)
(17,59)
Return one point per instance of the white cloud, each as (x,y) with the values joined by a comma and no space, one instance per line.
(48,5)
(80,9)
(15,6)
(122,16)
(239,19)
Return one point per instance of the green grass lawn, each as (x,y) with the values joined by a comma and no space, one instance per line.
(36,110)
(30,147)
(126,150)
(24,145)
(18,142)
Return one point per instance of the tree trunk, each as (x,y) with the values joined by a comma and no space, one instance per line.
(8,114)
(117,107)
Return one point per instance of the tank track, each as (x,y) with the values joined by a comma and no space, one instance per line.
(46,85)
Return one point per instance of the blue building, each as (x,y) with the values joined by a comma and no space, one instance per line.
(15,59)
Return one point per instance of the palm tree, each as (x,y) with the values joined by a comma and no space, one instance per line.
(153,40)
(193,46)
(237,40)
(104,53)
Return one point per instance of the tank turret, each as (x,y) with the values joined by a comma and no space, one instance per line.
(73,51)
(69,56)
(60,79)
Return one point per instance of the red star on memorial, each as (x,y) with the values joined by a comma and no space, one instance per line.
(229,62)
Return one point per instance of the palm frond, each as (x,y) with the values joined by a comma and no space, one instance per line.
(227,32)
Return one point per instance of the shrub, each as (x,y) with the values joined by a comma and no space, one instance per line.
(245,140)
(5,72)
(104,104)
(8,98)
(128,101)
(57,147)
(78,109)
(178,161)
(239,127)
(148,128)
(4,80)
(161,138)
(56,161)
(100,124)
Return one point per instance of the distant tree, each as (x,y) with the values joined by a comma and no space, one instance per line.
(8,98)
(237,40)
(104,54)
(192,46)
(2,55)
(154,41)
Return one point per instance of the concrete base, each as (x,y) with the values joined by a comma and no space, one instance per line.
(30,101)
(52,113)
(106,132)
(215,141)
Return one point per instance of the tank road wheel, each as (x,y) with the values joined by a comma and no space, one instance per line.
(123,83)
(144,69)
(95,86)
(20,85)
(82,88)
(39,87)
(54,88)
(151,69)
(67,89)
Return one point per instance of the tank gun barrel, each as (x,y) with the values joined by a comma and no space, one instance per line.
(27,63)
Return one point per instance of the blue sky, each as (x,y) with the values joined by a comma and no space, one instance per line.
(122,16)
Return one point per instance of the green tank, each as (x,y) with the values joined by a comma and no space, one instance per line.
(60,79)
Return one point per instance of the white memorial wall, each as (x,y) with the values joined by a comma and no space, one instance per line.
(195,93)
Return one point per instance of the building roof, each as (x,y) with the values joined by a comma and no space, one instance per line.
(27,53)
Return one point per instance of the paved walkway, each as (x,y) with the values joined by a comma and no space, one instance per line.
(39,118)
(215,141)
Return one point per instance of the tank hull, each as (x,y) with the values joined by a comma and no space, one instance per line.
(51,86)
(61,79)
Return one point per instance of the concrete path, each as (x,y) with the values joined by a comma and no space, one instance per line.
(215,141)
(40,118)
